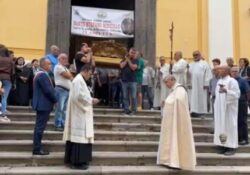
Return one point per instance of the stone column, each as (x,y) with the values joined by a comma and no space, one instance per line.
(58,24)
(220,29)
(145,29)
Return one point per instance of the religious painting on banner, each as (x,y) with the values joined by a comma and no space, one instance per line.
(102,23)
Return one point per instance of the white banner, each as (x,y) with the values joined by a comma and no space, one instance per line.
(103,23)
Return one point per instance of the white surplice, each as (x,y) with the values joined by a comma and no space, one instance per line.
(201,74)
(160,89)
(176,146)
(164,71)
(226,112)
(79,122)
(179,71)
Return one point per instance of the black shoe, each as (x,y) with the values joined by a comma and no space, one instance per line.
(126,113)
(243,142)
(80,167)
(195,115)
(132,113)
(41,152)
(59,129)
(230,152)
(221,150)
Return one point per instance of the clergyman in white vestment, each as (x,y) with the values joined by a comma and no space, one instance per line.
(227,94)
(79,125)
(176,147)
(201,74)
(179,68)
(162,72)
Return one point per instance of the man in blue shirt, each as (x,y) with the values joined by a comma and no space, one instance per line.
(53,56)
(243,106)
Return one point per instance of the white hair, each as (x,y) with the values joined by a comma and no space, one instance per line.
(169,77)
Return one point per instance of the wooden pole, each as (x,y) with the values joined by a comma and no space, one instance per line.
(171,30)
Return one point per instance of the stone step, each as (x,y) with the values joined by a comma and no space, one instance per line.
(29,125)
(118,158)
(125,170)
(107,145)
(111,118)
(24,125)
(115,118)
(21,109)
(99,135)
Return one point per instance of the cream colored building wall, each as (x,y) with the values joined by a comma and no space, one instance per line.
(191,27)
(23,26)
(242,28)
(190,21)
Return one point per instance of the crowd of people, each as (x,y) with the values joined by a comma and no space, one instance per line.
(71,91)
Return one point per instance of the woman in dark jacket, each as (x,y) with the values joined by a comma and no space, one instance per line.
(244,69)
(23,76)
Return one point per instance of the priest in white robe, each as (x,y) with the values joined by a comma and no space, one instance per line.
(200,74)
(176,147)
(179,69)
(227,94)
(162,72)
(79,126)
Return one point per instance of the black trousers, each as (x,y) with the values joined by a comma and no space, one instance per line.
(146,90)
(105,93)
(41,122)
(242,121)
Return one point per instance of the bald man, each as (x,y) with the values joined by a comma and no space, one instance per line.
(161,91)
(226,112)
(179,69)
(200,74)
(63,79)
(230,61)
(53,56)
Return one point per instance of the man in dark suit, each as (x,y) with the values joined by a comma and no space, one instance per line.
(44,98)
(242,107)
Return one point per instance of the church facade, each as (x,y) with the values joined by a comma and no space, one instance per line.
(216,28)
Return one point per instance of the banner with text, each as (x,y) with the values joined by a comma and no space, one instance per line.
(103,23)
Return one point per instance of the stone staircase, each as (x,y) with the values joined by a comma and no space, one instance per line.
(125,145)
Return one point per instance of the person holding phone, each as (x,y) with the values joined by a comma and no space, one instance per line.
(79,124)
(84,56)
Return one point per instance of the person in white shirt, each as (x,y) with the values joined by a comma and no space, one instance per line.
(147,84)
(162,72)
(63,79)
(179,69)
